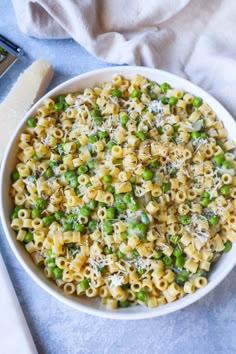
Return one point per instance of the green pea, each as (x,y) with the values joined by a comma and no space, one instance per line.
(179,262)
(214,219)
(141,229)
(103,135)
(134,254)
(173,172)
(92,139)
(141,135)
(185,219)
(111,213)
(167,260)
(68,227)
(180,279)
(98,120)
(71,218)
(48,220)
(144,218)
(163,100)
(123,304)
(147,175)
(107,178)
(133,205)
(110,145)
(95,111)
(101,270)
(92,205)
(92,225)
(175,127)
(111,189)
(116,93)
(185,273)
(82,169)
(15,176)
(173,100)
(107,250)
(151,84)
(61,98)
(152,95)
(59,215)
(177,252)
(203,135)
(35,213)
(80,228)
(140,271)
(227,164)
(124,120)
(154,164)
(57,272)
(70,174)
(18,208)
(120,254)
(49,252)
(218,160)
(108,228)
(49,172)
(228,246)
(225,190)
(41,204)
(101,204)
(36,157)
(206,195)
(91,164)
(120,207)
(127,198)
(51,262)
(28,237)
(142,295)
(74,182)
(201,273)
(166,187)
(136,93)
(174,239)
(132,224)
(164,87)
(52,163)
(124,235)
(85,211)
(84,284)
(158,255)
(160,130)
(197,102)
(58,106)
(188,203)
(205,202)
(31,122)
(195,135)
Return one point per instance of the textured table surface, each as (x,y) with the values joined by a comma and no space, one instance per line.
(208,326)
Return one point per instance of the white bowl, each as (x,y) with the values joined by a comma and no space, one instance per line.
(93,306)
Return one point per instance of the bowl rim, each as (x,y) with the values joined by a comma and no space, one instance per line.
(114,314)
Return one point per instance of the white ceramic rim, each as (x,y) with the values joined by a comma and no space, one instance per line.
(114,314)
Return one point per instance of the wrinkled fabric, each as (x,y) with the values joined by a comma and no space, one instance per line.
(191,38)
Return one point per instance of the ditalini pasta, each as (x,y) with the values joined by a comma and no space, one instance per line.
(125,191)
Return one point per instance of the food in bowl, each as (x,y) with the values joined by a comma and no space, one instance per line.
(125,191)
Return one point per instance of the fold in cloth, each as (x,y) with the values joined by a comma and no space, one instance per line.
(191,38)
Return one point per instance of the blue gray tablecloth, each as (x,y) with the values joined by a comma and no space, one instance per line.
(206,327)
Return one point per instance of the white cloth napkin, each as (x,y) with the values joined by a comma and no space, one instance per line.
(192,38)
(15,334)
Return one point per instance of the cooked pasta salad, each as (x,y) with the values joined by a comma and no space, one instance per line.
(125,191)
